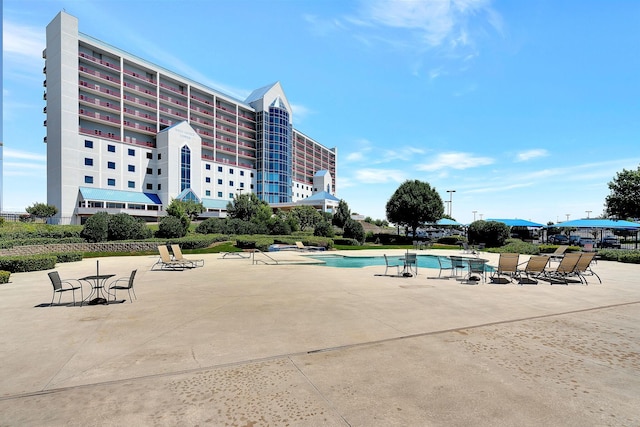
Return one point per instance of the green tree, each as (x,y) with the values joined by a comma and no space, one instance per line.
(123,226)
(413,204)
(624,200)
(342,215)
(191,208)
(170,227)
(248,207)
(354,230)
(176,210)
(42,210)
(96,229)
(323,229)
(307,216)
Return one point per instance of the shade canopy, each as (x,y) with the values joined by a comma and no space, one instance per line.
(447,221)
(517,222)
(599,223)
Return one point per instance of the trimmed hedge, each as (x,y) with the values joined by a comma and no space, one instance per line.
(262,242)
(7,244)
(198,241)
(4,276)
(24,263)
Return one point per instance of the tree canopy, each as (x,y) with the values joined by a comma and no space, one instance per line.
(624,200)
(413,204)
(342,214)
(248,207)
(42,210)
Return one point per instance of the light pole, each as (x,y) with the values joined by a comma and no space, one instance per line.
(588,212)
(567,216)
(474,216)
(481,217)
(451,202)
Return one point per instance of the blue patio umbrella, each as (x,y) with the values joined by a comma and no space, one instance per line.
(517,222)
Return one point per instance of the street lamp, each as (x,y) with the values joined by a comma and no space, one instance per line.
(567,216)
(474,215)
(451,202)
(588,212)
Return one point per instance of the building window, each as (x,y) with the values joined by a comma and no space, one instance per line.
(88,143)
(219,168)
(159,156)
(220,194)
(230,183)
(150,156)
(88,161)
(149,186)
(231,171)
(219,182)
(132,152)
(241,173)
(111,148)
(111,182)
(131,168)
(207,167)
(111,165)
(149,171)
(159,187)
(88,179)
(207,193)
(207,179)
(131,184)
(251,175)
(159,171)
(231,195)
(185,168)
(242,185)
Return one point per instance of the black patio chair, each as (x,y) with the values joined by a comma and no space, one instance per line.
(128,286)
(66,285)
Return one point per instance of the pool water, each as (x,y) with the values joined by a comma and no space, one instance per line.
(424,261)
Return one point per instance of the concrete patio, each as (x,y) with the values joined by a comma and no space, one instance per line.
(237,344)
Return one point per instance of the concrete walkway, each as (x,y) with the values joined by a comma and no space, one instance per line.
(237,344)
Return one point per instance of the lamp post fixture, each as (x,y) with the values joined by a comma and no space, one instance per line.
(481,217)
(588,213)
(567,216)
(474,215)
(451,202)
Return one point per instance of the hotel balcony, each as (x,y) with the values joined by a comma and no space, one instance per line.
(246,154)
(140,89)
(246,117)
(226,129)
(87,100)
(201,111)
(99,61)
(99,133)
(225,139)
(97,117)
(172,89)
(84,71)
(226,119)
(149,130)
(246,126)
(140,102)
(200,121)
(203,132)
(138,76)
(173,101)
(201,100)
(173,113)
(128,112)
(109,93)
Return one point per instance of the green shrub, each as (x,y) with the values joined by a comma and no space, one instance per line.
(456,239)
(632,257)
(4,275)
(346,242)
(492,233)
(6,244)
(323,229)
(19,264)
(123,226)
(353,230)
(198,241)
(170,227)
(68,256)
(210,226)
(517,246)
(96,229)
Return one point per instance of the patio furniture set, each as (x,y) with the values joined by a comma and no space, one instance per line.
(101,288)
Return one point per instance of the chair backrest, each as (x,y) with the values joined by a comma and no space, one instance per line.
(164,253)
(508,262)
(476,265)
(55,280)
(458,261)
(536,264)
(561,249)
(177,252)
(300,245)
(386,260)
(133,276)
(569,262)
(411,258)
(584,261)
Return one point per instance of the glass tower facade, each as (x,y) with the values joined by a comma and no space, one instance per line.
(185,168)
(275,148)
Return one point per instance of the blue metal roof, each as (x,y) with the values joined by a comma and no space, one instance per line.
(598,223)
(517,222)
(119,196)
(322,195)
(214,203)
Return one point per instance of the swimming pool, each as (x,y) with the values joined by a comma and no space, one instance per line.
(343,261)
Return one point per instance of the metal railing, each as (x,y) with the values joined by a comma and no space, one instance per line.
(258,261)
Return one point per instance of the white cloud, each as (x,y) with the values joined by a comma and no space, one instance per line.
(531,154)
(455,160)
(9,153)
(379,176)
(23,41)
(300,112)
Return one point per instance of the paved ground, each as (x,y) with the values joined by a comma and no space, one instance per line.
(237,344)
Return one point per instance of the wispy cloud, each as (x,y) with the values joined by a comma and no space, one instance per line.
(527,155)
(379,176)
(455,160)
(22,41)
(300,112)
(9,153)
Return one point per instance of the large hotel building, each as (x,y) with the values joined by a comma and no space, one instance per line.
(125,135)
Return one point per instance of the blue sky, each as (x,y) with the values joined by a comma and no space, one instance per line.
(527,109)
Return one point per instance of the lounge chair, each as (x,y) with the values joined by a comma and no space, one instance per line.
(565,269)
(302,247)
(64,285)
(507,266)
(583,267)
(558,254)
(165,262)
(534,268)
(177,256)
(128,285)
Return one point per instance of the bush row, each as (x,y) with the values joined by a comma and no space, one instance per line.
(621,255)
(24,263)
(4,275)
(33,231)
(6,244)
(263,242)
